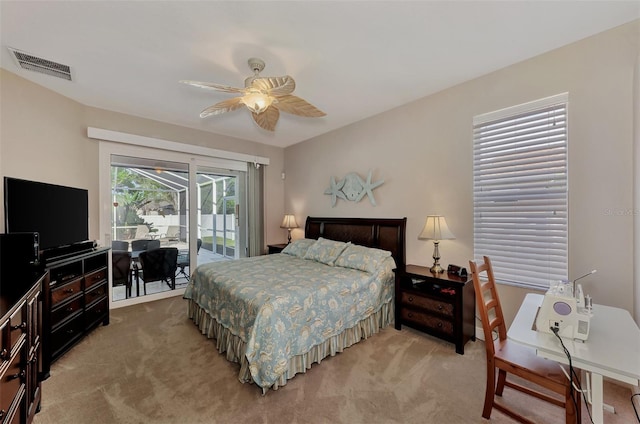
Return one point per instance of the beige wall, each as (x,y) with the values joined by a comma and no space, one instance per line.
(43,137)
(423,151)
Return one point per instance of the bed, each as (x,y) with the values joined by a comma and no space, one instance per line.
(278,314)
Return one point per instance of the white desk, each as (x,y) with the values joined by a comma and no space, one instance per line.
(612,349)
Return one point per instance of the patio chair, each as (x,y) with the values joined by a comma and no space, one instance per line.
(157,265)
(183,260)
(142,232)
(141,245)
(172,234)
(119,245)
(121,270)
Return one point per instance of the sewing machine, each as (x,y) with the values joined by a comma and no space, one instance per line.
(566,309)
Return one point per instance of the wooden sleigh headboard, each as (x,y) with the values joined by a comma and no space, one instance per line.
(381,233)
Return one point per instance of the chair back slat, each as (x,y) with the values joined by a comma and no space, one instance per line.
(488,303)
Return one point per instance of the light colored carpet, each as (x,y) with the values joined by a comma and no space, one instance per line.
(152,365)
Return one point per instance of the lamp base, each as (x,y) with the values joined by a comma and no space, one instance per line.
(436,269)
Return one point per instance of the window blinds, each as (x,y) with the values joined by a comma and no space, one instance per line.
(520,192)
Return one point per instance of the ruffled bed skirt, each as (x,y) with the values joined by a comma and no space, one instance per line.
(234,347)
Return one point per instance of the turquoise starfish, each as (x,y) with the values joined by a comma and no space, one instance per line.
(335,190)
(368,188)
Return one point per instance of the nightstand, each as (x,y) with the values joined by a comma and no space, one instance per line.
(276,248)
(442,305)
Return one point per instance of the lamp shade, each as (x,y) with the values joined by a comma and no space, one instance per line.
(435,228)
(289,222)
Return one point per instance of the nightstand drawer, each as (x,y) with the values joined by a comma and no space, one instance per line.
(424,319)
(426,303)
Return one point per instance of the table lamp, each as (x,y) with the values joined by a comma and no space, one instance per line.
(289,222)
(436,229)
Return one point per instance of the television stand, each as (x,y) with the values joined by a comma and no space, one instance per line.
(76,301)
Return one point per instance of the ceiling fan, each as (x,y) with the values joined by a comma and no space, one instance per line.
(265,97)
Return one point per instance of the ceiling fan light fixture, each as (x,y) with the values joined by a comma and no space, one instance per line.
(256,101)
(258,95)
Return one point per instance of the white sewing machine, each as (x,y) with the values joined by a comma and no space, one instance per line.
(566,309)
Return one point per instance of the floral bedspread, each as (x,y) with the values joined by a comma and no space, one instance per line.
(281,306)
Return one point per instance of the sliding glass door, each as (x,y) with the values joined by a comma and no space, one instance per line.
(220,214)
(150,210)
(185,203)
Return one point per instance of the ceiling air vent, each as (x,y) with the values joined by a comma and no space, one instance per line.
(38,64)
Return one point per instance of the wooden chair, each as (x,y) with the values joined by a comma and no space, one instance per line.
(511,357)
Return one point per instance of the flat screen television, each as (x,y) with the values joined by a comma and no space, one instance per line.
(58,213)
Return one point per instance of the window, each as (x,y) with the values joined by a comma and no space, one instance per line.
(520,191)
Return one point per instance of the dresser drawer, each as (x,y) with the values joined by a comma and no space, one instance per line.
(65,291)
(12,382)
(17,327)
(433,305)
(66,333)
(95,294)
(95,277)
(427,320)
(63,311)
(96,312)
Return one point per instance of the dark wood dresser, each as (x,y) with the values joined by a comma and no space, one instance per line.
(20,346)
(442,305)
(76,300)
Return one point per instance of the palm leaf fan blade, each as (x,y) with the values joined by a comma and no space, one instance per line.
(276,86)
(297,106)
(267,119)
(222,107)
(212,86)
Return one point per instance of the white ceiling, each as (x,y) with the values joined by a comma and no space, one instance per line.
(351,59)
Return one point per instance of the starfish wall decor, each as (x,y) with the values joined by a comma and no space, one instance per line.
(352,187)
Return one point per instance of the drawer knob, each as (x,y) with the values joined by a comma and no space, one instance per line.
(410,298)
(440,307)
(410,315)
(439,325)
(21,374)
(69,309)
(3,353)
(19,327)
(2,413)
(68,290)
